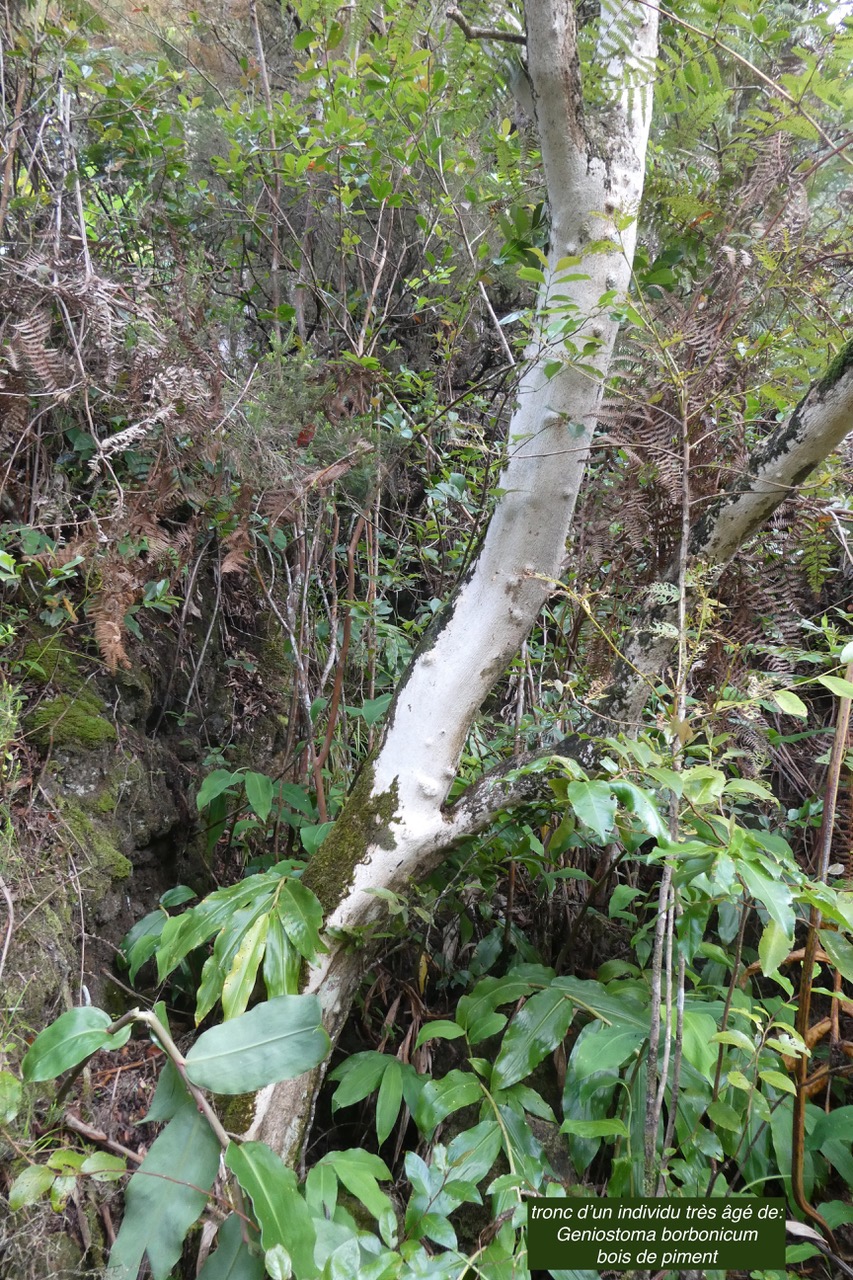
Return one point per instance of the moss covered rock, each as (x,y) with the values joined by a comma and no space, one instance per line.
(71,719)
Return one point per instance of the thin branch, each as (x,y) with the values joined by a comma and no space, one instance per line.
(484,33)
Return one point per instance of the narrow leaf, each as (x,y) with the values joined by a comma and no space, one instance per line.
(240,980)
(232,1259)
(282,1214)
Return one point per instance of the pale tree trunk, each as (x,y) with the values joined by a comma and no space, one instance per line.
(394,827)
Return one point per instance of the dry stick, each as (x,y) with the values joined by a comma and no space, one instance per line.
(10,153)
(323,754)
(827,823)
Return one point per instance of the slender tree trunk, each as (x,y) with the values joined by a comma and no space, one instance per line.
(394,826)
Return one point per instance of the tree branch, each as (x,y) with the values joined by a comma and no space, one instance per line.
(484,33)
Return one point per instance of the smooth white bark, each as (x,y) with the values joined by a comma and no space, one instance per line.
(594,173)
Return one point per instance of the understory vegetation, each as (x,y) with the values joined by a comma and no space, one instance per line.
(269,278)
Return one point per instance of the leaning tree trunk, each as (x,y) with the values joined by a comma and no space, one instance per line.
(393,827)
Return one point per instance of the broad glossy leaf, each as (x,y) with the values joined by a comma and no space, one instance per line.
(774,895)
(359,1075)
(240,980)
(472,1153)
(102,1167)
(11,1094)
(641,804)
(140,943)
(440,1098)
(276,1040)
(441,1029)
(214,785)
(595,805)
(789,703)
(703,784)
(282,1214)
(30,1185)
(840,952)
(536,1029)
(169,1189)
(604,1048)
(302,917)
(232,1260)
(835,684)
(359,1172)
(182,934)
(69,1041)
(259,793)
(489,994)
(778,1081)
(772,947)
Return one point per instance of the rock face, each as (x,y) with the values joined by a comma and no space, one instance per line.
(99,839)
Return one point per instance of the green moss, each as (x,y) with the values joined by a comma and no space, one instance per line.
(236,1112)
(71,720)
(107,862)
(47,662)
(105,802)
(837,368)
(366,820)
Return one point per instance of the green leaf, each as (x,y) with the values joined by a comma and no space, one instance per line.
(835,684)
(703,784)
(440,1098)
(282,963)
(789,704)
(358,1171)
(214,785)
(640,803)
(595,805)
(232,1259)
(360,1075)
(595,1128)
(772,947)
(278,1263)
(389,1099)
(69,1041)
(535,1030)
(240,980)
(441,1029)
(274,1041)
(102,1167)
(30,1186)
(472,1153)
(182,934)
(169,1188)
(603,1048)
(282,1214)
(779,1081)
(840,952)
(11,1094)
(259,793)
(302,917)
(725,1116)
(774,895)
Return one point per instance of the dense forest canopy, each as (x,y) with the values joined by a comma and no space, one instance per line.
(426,628)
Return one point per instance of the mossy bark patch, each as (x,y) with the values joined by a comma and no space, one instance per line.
(366,820)
(67,720)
